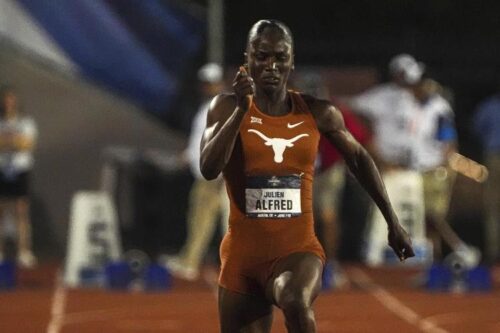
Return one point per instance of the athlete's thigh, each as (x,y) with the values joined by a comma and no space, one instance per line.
(298,274)
(240,313)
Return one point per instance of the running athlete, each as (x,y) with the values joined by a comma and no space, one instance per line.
(264,139)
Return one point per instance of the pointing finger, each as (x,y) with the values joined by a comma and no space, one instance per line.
(243,71)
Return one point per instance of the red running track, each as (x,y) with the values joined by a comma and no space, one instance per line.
(378,300)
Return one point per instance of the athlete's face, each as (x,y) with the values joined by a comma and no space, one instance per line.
(270,60)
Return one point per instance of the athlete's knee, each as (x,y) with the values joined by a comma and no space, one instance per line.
(294,302)
(298,312)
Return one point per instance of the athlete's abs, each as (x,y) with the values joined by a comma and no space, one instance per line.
(269,180)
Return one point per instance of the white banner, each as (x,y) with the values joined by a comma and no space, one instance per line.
(406,193)
(94,237)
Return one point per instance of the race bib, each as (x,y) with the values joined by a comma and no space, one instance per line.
(275,197)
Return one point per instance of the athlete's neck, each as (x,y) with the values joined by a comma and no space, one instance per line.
(275,104)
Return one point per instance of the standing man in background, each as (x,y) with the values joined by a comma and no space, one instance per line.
(390,109)
(17,140)
(487,127)
(208,200)
(435,140)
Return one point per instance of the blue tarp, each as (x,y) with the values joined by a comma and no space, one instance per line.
(137,48)
(169,36)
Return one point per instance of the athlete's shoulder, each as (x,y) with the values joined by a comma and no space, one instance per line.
(223,100)
(313,101)
(221,106)
(318,106)
(326,115)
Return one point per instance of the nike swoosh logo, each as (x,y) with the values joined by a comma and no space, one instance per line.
(293,125)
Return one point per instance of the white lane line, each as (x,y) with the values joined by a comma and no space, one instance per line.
(391,303)
(57,307)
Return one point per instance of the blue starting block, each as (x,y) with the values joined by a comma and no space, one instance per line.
(439,278)
(118,275)
(479,279)
(90,277)
(157,278)
(7,275)
(444,278)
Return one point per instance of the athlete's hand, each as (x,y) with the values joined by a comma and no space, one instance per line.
(243,87)
(400,242)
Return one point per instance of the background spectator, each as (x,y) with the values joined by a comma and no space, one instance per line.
(17,139)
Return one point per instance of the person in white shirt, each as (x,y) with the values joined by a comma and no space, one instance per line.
(208,200)
(435,141)
(18,136)
(390,109)
(433,127)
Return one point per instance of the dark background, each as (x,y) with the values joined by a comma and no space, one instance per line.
(459,41)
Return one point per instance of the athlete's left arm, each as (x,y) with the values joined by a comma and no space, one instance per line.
(331,124)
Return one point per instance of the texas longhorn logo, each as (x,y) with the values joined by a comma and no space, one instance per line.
(278,144)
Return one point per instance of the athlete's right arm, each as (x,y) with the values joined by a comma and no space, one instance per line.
(223,123)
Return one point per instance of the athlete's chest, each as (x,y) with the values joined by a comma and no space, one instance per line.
(276,143)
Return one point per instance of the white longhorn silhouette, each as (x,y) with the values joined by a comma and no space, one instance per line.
(279,145)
